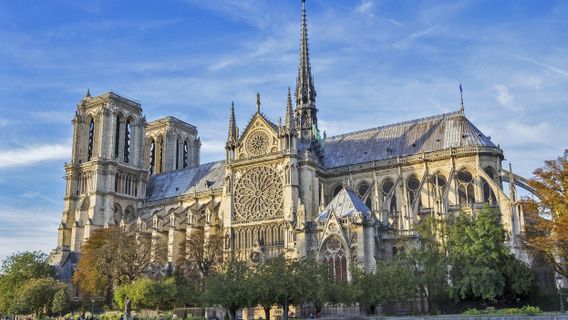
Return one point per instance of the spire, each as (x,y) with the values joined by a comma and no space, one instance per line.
(257,102)
(305,91)
(232,138)
(306,111)
(289,113)
(88,95)
(462,109)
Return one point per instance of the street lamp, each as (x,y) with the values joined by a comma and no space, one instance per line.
(92,307)
(560,293)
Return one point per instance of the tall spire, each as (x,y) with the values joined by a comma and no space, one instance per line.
(306,112)
(305,91)
(232,138)
(289,123)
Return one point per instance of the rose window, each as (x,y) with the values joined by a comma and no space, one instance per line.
(258,195)
(257,143)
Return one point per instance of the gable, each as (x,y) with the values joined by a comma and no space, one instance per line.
(260,137)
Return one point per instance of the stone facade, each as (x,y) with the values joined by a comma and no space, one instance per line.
(283,189)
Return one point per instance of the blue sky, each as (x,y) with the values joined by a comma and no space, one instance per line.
(375,62)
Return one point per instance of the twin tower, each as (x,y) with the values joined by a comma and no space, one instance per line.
(115,151)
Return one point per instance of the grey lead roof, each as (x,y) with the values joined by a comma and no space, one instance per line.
(345,204)
(406,138)
(208,176)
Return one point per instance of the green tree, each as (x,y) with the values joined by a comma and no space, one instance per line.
(390,281)
(147,293)
(229,288)
(429,263)
(37,296)
(60,302)
(477,249)
(16,270)
(263,286)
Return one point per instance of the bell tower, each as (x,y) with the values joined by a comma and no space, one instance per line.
(106,178)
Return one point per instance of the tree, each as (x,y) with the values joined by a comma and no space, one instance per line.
(203,254)
(16,270)
(290,283)
(229,288)
(109,258)
(429,263)
(60,302)
(263,286)
(147,293)
(37,296)
(547,230)
(319,286)
(476,248)
(390,281)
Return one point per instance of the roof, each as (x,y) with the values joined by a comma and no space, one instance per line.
(434,133)
(208,176)
(345,204)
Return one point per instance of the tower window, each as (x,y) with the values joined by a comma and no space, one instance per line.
(177,154)
(117,136)
(185,154)
(91,140)
(127,141)
(152,156)
(161,159)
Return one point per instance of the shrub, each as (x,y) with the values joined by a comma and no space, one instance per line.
(472,312)
(111,315)
(530,310)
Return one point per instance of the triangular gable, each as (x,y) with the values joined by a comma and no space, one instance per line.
(345,204)
(258,120)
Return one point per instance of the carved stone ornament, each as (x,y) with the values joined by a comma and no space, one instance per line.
(257,143)
(258,195)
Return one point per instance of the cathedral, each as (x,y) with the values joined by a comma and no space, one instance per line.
(284,188)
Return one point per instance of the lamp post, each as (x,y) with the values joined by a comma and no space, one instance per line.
(92,307)
(560,293)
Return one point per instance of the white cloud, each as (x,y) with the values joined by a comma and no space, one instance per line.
(365,8)
(33,154)
(506,99)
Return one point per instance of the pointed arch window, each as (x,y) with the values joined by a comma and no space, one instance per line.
(413,186)
(363,191)
(336,190)
(117,136)
(466,193)
(334,256)
(127,128)
(152,156)
(488,195)
(185,154)
(177,153)
(161,157)
(91,139)
(386,189)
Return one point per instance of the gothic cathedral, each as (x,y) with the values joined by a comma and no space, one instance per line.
(283,188)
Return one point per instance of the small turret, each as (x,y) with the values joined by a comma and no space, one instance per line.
(232,137)
(289,122)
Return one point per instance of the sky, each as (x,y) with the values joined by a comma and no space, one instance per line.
(374,63)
